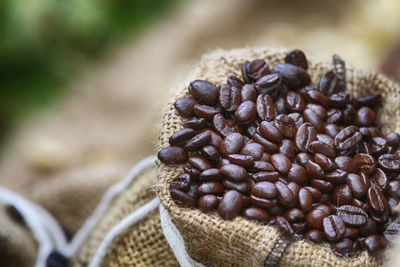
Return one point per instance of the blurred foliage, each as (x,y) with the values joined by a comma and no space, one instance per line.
(45,43)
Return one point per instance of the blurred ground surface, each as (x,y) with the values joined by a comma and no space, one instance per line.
(110,116)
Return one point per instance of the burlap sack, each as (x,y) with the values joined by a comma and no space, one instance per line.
(142,244)
(216,242)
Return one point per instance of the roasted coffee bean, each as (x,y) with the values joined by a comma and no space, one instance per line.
(216,140)
(204,91)
(210,153)
(198,141)
(296,57)
(249,92)
(264,203)
(213,188)
(318,109)
(376,200)
(294,215)
(315,235)
(369,228)
(292,76)
(347,138)
(269,84)
(314,170)
(287,149)
(322,185)
(394,188)
(366,163)
(264,190)
(242,160)
(357,185)
(211,174)
(346,246)
(370,100)
(374,244)
(196,123)
(380,218)
(270,176)
(254,70)
(324,138)
(299,227)
(181,137)
(332,130)
(349,112)
(203,111)
(295,188)
(284,226)
(285,125)
(268,146)
(246,112)
(380,179)
(295,102)
(304,136)
(285,195)
(200,163)
(207,202)
(280,105)
(392,231)
(347,164)
(255,150)
(390,162)
(315,192)
(270,132)
(266,157)
(329,83)
(378,146)
(339,100)
(172,155)
(316,216)
(221,125)
(317,97)
(364,116)
(337,176)
(303,158)
(242,187)
(232,144)
(229,97)
(231,205)
(262,166)
(351,232)
(305,199)
(358,203)
(265,107)
(193,172)
(352,215)
(185,106)
(234,81)
(298,118)
(370,132)
(323,161)
(321,147)
(334,227)
(234,172)
(342,195)
(313,118)
(254,213)
(193,191)
(298,174)
(393,139)
(182,197)
(281,163)
(334,116)
(181,182)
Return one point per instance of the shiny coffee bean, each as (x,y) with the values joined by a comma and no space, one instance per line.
(366,163)
(295,102)
(254,213)
(298,118)
(285,195)
(229,97)
(265,107)
(378,146)
(184,106)
(204,91)
(203,111)
(312,117)
(370,100)
(390,162)
(339,100)
(347,138)
(207,202)
(234,81)
(334,116)
(317,97)
(342,195)
(329,83)
(246,112)
(181,182)
(304,136)
(270,132)
(303,158)
(316,216)
(380,179)
(334,227)
(314,170)
(220,125)
(305,199)
(357,185)
(352,215)
(269,147)
(364,117)
(317,109)
(232,144)
(323,148)
(298,174)
(182,198)
(211,174)
(374,243)
(172,155)
(254,150)
(242,160)
(369,228)
(316,194)
(349,112)
(346,246)
(315,235)
(351,232)
(376,200)
(200,163)
(292,76)
(216,139)
(241,187)
(347,164)
(285,125)
(231,205)
(337,176)
(269,84)
(296,57)
(391,231)
(254,70)
(394,188)
(284,226)
(249,92)
(198,141)
(322,185)
(332,130)
(234,172)
(281,163)
(294,215)
(323,161)
(393,139)
(262,166)
(287,148)
(264,203)
(211,153)
(264,190)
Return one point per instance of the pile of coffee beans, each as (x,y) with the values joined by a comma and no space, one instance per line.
(273,148)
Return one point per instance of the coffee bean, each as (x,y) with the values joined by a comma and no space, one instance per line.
(231,205)
(315,192)
(172,155)
(313,118)
(366,163)
(249,92)
(316,216)
(221,125)
(352,215)
(390,162)
(280,105)
(246,112)
(394,188)
(181,182)
(264,190)
(349,112)
(268,146)
(334,116)
(391,231)
(285,195)
(351,232)
(269,84)
(298,118)
(234,172)
(305,199)
(315,235)
(332,130)
(339,100)
(193,172)
(207,202)
(204,91)
(198,141)
(370,132)
(322,185)
(346,246)
(184,106)
(393,139)
(303,158)
(342,195)
(295,102)
(285,125)
(378,146)
(334,227)
(254,150)
(304,136)
(292,76)
(270,132)
(318,109)
(357,185)
(231,144)
(368,228)
(380,179)
(254,70)
(298,174)
(211,174)
(374,244)
(182,197)
(284,226)
(264,203)
(347,138)
(203,111)
(294,215)
(229,97)
(265,107)
(241,187)
(262,166)
(321,147)
(254,213)
(242,160)
(232,80)
(323,161)
(376,200)
(196,123)
(314,170)
(370,100)
(210,153)
(200,163)
(347,164)
(317,97)
(270,176)
(211,187)
(281,163)
(287,149)
(329,83)
(296,57)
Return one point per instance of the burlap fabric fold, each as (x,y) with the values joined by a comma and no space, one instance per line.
(216,242)
(142,244)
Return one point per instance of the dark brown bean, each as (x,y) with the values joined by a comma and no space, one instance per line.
(304,136)
(332,130)
(315,192)
(284,226)
(229,97)
(317,97)
(270,176)
(352,232)
(366,163)
(393,139)
(262,166)
(195,123)
(322,185)
(323,161)
(281,163)
(342,195)
(234,81)
(200,163)
(221,125)
(198,141)
(357,185)
(172,155)
(298,118)
(285,125)
(369,228)
(264,190)
(339,100)
(265,107)
(370,100)
(313,118)
(270,132)
(263,203)
(204,91)
(376,200)
(182,198)
(269,84)
(207,202)
(314,170)
(193,172)
(246,112)
(181,182)
(292,76)
(294,215)
(242,187)
(285,195)
(374,244)
(315,235)
(295,102)
(321,147)
(391,231)
(316,216)
(231,205)
(213,188)
(380,179)
(268,146)
(302,158)
(378,146)
(329,83)
(211,174)
(347,138)
(349,112)
(296,57)
(347,164)
(352,215)
(305,199)
(242,160)
(394,188)
(254,70)
(298,174)
(287,149)
(185,105)
(318,109)
(234,172)
(280,105)
(364,116)
(334,227)
(346,246)
(255,150)
(390,162)
(210,153)
(203,111)
(231,144)
(254,213)
(249,92)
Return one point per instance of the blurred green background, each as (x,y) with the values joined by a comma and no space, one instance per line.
(44,44)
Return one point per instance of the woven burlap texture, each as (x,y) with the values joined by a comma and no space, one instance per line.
(216,242)
(143,244)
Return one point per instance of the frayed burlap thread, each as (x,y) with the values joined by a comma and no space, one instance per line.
(213,241)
